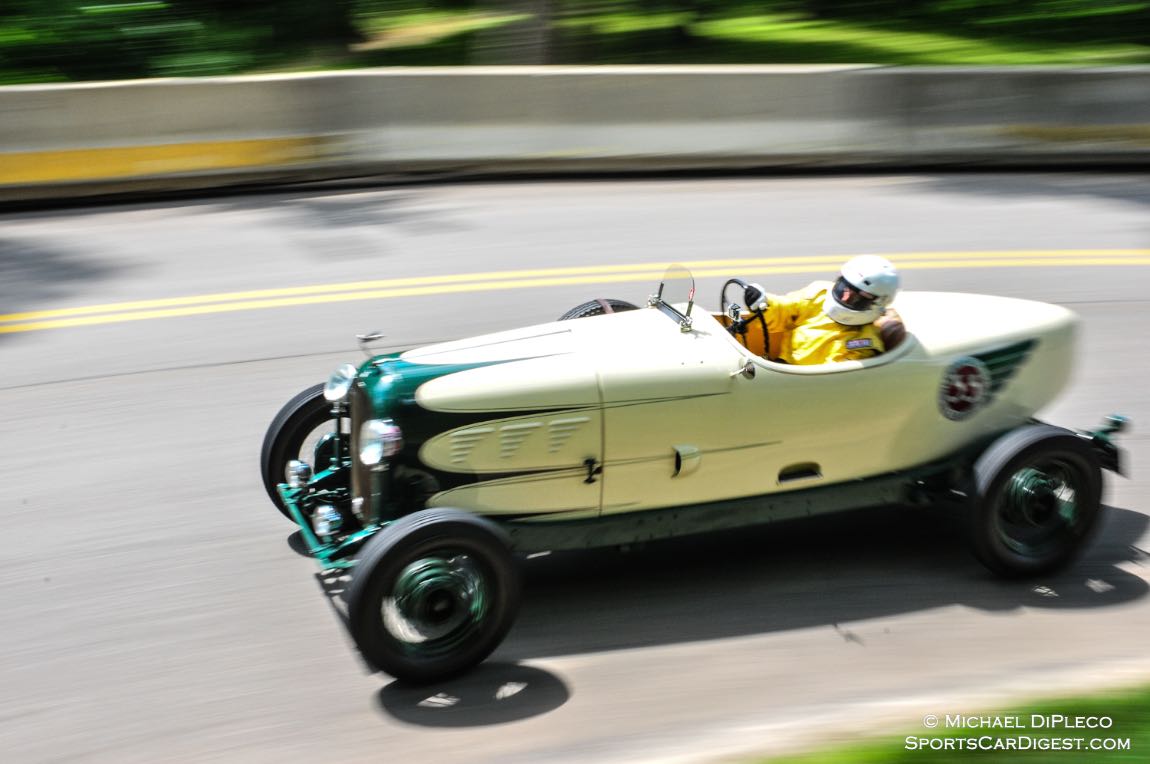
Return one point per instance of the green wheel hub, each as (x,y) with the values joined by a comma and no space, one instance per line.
(1039,507)
(437,603)
(1034,497)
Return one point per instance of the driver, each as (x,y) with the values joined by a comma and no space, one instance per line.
(844,321)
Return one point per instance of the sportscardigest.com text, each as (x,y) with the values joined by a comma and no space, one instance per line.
(1054,732)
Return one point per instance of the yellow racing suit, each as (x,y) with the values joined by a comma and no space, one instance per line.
(809,336)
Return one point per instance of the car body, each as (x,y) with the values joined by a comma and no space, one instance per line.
(638,424)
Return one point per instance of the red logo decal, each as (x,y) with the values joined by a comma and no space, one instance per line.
(965,388)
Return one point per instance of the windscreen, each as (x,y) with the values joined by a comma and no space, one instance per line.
(677,288)
(676,295)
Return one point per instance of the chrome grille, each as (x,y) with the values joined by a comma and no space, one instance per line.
(360,411)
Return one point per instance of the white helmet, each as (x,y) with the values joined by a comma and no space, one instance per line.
(866,286)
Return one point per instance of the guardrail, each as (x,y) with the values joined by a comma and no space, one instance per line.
(187,133)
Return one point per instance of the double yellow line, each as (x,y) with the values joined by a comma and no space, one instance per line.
(225,302)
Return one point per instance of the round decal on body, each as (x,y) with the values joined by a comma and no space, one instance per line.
(965,388)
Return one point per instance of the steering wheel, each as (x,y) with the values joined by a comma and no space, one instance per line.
(755,298)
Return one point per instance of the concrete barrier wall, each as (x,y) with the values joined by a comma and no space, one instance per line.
(176,133)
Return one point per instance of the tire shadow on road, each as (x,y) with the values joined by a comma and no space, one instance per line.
(492,693)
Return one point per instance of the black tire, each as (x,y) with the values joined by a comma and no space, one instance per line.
(1037,499)
(286,435)
(598,308)
(468,555)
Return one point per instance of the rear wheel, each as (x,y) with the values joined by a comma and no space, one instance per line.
(433,594)
(598,308)
(1038,493)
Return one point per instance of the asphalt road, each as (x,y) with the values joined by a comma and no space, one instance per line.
(154,608)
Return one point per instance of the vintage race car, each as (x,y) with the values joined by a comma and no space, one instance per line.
(428,472)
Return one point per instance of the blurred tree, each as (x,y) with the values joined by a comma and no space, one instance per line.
(59,40)
(527,41)
(293,21)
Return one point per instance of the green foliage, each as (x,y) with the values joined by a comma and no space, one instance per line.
(51,40)
(63,40)
(1130,712)
(69,40)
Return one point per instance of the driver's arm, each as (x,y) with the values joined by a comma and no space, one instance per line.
(786,311)
(890,328)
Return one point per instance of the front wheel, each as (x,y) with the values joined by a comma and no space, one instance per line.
(432,595)
(303,422)
(1038,496)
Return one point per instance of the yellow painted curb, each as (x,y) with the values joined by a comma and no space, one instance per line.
(149,161)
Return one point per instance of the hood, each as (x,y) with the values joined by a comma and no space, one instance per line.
(556,338)
(533,368)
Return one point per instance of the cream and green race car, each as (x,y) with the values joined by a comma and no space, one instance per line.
(427,473)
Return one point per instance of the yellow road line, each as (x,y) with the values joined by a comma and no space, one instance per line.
(525,279)
(644,268)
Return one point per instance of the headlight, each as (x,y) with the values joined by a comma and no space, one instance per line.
(378,440)
(339,383)
(297,473)
(326,521)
